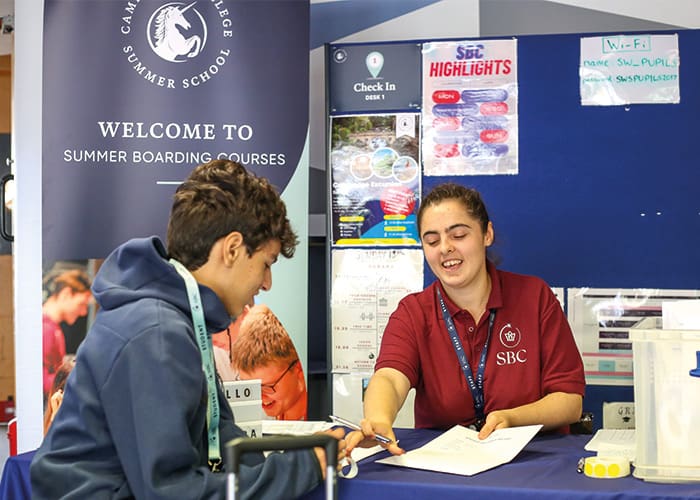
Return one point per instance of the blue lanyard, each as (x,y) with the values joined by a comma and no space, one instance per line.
(476,386)
(207,352)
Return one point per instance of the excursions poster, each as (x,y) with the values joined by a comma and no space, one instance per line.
(375,178)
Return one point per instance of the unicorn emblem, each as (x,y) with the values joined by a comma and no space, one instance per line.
(170,43)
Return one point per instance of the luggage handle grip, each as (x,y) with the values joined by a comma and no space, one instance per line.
(237,447)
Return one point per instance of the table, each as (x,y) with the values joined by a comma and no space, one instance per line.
(544,469)
(15,483)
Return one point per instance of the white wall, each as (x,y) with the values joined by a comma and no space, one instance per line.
(26,146)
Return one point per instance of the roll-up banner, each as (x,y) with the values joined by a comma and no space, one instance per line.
(136,93)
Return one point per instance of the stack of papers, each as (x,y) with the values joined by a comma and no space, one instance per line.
(613,443)
(460,451)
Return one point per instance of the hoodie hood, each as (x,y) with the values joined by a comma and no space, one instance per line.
(139,269)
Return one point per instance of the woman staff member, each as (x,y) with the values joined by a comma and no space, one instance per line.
(481,346)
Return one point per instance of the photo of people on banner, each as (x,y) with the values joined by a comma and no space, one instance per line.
(255,346)
(67,300)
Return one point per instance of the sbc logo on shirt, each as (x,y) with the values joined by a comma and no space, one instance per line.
(510,338)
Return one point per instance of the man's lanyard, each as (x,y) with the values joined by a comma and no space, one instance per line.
(476,386)
(206,350)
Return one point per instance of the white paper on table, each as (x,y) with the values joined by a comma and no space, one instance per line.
(362,453)
(621,438)
(305,428)
(294,427)
(460,451)
(613,443)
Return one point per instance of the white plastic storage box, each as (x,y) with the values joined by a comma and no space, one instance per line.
(667,402)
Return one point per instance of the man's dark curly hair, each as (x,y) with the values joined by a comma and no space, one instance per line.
(220,197)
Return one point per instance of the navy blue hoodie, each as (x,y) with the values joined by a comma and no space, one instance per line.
(133,419)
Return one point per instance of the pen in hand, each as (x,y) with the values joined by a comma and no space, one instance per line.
(354,426)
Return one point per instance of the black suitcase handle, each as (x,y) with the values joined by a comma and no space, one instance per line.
(237,447)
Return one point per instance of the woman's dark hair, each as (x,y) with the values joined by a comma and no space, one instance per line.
(472,202)
(469,197)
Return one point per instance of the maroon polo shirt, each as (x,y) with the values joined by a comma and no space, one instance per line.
(531,352)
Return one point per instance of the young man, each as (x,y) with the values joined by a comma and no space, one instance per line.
(140,409)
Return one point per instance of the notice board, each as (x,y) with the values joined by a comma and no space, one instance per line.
(604,196)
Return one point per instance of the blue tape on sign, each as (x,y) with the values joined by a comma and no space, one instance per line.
(480,123)
(481,150)
(484,95)
(455,109)
(455,136)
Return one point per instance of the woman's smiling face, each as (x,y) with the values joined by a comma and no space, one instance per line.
(454,243)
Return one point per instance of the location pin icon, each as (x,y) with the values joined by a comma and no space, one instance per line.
(374,61)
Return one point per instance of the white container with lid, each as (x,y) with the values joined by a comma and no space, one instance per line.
(667,402)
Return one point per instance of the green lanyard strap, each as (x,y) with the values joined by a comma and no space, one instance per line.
(206,350)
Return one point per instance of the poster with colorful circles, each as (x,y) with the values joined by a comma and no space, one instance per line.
(470,108)
(375,179)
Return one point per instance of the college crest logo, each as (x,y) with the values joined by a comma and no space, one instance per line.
(173,36)
(176,32)
(509,336)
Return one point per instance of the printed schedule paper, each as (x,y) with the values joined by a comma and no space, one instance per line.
(366,287)
(460,451)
